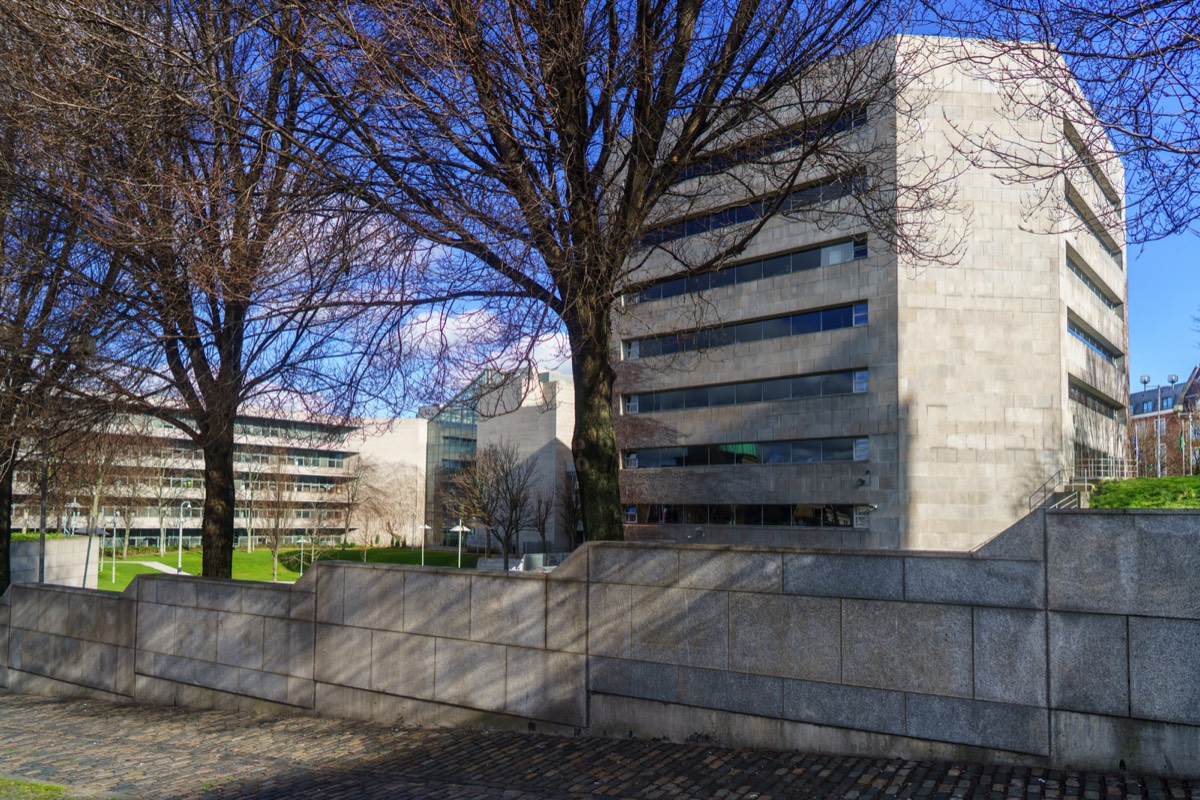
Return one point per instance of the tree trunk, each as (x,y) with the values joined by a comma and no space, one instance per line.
(217,525)
(594,443)
(6,501)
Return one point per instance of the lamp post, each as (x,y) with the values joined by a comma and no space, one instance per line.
(302,542)
(112,556)
(425,529)
(179,565)
(1145,379)
(460,529)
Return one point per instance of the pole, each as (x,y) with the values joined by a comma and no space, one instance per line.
(42,526)
(460,533)
(112,557)
(179,564)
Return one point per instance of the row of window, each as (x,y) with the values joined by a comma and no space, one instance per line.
(798,515)
(797,261)
(810,195)
(1089,400)
(1093,168)
(777,142)
(795,388)
(795,451)
(1078,272)
(827,319)
(1096,230)
(1094,343)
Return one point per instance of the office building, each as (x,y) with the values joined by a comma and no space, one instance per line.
(826,389)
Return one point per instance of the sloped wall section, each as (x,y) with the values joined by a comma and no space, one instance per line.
(1070,641)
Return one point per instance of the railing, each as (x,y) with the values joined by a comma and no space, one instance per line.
(1039,495)
(1089,469)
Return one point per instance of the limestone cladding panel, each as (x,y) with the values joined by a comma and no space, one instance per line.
(1084,363)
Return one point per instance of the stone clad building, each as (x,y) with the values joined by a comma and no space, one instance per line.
(827,389)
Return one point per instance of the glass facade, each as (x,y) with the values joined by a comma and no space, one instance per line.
(798,515)
(827,319)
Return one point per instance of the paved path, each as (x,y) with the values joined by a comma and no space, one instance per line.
(156,565)
(150,752)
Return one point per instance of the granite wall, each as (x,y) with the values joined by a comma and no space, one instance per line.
(1070,640)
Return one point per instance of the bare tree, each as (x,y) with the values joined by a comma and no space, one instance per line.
(497,490)
(53,285)
(276,507)
(570,515)
(556,153)
(1134,63)
(388,502)
(542,514)
(243,272)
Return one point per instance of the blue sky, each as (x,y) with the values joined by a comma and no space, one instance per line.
(1164,299)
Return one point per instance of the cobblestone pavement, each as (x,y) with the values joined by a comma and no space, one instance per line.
(151,752)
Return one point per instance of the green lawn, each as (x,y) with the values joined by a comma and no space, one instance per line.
(27,790)
(256,566)
(1172,492)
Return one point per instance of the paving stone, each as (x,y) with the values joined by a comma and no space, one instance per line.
(169,752)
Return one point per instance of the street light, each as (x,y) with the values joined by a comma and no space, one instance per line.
(302,542)
(188,505)
(113,555)
(425,529)
(460,529)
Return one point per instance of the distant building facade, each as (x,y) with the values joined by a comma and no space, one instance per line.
(1164,427)
(293,478)
(838,393)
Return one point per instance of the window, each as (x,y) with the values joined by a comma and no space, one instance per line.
(800,451)
(747,272)
(751,331)
(818,192)
(821,385)
(792,515)
(1093,226)
(1091,400)
(763,147)
(1093,342)
(1094,287)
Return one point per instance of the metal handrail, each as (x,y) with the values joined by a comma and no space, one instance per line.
(1045,490)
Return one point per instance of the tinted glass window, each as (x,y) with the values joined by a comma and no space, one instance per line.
(748,515)
(695,398)
(671,456)
(776,515)
(722,395)
(697,455)
(837,383)
(808,386)
(839,450)
(724,277)
(749,392)
(809,259)
(834,318)
(669,401)
(749,272)
(674,287)
(777,390)
(721,454)
(775,328)
(748,332)
(720,515)
(779,265)
(806,323)
(776,452)
(696,515)
(803,452)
